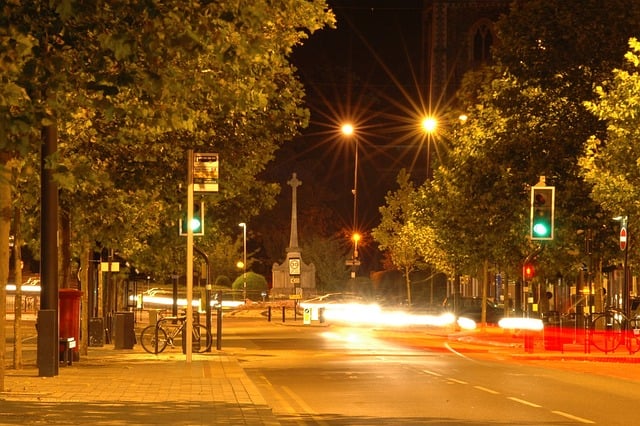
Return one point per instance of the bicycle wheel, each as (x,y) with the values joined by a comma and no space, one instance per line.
(633,335)
(606,332)
(148,339)
(201,338)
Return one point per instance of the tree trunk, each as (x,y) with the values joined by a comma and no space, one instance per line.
(17,304)
(85,257)
(407,279)
(65,249)
(485,286)
(5,224)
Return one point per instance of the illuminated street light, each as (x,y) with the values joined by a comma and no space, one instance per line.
(429,126)
(348,131)
(244,260)
(356,239)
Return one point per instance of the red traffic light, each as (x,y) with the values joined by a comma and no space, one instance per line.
(528,271)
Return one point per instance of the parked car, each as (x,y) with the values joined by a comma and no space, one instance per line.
(471,308)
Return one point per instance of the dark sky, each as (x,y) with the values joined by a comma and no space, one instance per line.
(367,71)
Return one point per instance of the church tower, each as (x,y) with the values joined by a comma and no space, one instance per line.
(458,36)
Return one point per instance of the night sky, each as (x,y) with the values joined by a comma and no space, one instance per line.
(367,71)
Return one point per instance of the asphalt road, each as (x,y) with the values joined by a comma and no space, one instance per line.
(353,376)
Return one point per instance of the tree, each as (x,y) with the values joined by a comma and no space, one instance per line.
(256,284)
(611,164)
(327,255)
(131,86)
(526,120)
(397,233)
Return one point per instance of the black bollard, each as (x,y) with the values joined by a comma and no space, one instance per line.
(219,328)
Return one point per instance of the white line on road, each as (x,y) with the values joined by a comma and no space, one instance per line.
(572,417)
(461,382)
(522,401)
(482,388)
(432,373)
(446,345)
(303,405)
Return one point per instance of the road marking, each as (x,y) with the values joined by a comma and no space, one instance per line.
(572,417)
(450,349)
(461,382)
(308,410)
(432,373)
(522,401)
(491,391)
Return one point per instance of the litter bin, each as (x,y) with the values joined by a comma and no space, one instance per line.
(96,332)
(552,331)
(69,311)
(125,336)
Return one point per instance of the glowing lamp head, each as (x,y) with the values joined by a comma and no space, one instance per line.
(429,124)
(347,129)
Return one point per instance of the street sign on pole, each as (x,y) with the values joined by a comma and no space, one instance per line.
(623,238)
(205,168)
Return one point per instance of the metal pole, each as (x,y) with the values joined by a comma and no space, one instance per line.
(355,191)
(627,304)
(207,294)
(244,260)
(219,327)
(189,321)
(48,336)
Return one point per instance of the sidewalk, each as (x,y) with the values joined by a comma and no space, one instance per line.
(131,386)
(118,387)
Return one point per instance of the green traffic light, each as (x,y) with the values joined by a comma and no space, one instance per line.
(540,230)
(542,212)
(195,224)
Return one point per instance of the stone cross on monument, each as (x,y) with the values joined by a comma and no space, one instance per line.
(294,183)
(287,278)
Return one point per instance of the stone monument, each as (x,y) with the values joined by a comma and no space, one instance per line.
(293,277)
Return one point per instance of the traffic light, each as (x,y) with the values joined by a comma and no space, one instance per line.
(197,222)
(542,212)
(528,271)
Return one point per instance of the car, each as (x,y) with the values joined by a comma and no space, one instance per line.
(333,298)
(471,308)
(345,307)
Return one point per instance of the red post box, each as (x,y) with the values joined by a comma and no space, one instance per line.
(69,311)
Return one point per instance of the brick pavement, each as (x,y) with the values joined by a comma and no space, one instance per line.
(131,386)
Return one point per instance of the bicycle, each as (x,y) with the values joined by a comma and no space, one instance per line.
(156,338)
(611,329)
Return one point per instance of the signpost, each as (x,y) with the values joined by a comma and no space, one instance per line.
(623,238)
(202,176)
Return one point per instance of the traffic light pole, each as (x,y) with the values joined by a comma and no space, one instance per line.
(189,320)
(525,283)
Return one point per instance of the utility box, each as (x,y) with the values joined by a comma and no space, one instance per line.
(125,336)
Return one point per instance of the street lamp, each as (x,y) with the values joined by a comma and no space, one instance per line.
(429,126)
(348,130)
(244,260)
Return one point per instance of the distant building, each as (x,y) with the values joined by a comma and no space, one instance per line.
(458,36)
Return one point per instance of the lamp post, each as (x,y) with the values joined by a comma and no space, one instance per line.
(244,260)
(348,130)
(429,126)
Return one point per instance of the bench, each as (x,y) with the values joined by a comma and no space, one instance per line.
(67,344)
